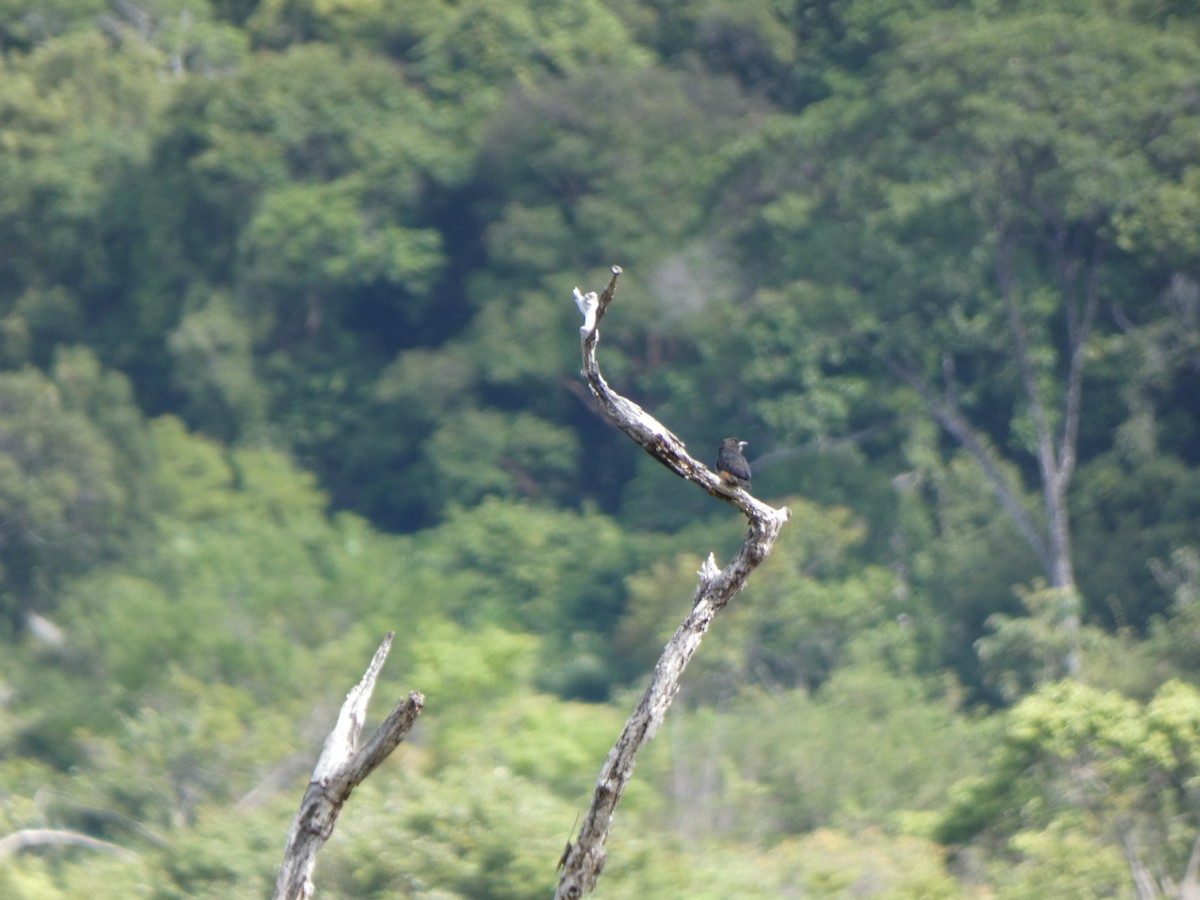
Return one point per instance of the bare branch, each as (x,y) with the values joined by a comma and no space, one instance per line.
(340,769)
(584,860)
(38,837)
(1143,882)
(947,414)
(1046,450)
(1079,332)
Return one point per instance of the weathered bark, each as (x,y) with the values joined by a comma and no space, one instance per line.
(584,859)
(339,770)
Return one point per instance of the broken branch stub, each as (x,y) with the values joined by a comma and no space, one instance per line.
(341,768)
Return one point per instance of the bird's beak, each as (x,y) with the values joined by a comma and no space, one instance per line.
(742,445)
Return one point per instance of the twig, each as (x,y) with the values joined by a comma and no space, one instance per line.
(584,860)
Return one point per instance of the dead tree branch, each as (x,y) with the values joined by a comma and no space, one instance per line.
(40,837)
(583,860)
(340,769)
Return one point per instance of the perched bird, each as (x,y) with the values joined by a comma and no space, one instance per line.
(731,464)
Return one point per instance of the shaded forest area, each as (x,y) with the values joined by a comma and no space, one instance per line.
(288,359)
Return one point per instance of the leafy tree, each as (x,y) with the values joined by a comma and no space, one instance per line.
(466,56)
(213,371)
(1022,653)
(349,146)
(797,53)
(1100,765)
(64,482)
(603,152)
(564,183)
(484,453)
(1131,517)
(799,623)
(78,112)
(184,31)
(1063,861)
(951,239)
(951,233)
(553,573)
(308,245)
(299,238)
(869,754)
(472,52)
(1175,635)
(27,23)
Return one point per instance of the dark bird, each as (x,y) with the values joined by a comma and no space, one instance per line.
(731,465)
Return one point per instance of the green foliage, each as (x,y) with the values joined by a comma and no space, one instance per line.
(809,607)
(78,114)
(1022,653)
(230,852)
(1123,537)
(197,744)
(798,622)
(1017,149)
(825,864)
(1099,764)
(456,667)
(857,752)
(1158,225)
(533,568)
(305,240)
(483,453)
(102,877)
(472,51)
(482,835)
(63,479)
(1061,862)
(28,22)
(213,371)
(964,201)
(608,150)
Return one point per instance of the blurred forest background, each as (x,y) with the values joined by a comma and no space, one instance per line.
(288,358)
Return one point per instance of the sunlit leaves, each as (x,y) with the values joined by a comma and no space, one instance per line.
(1160,222)
(482,453)
(1097,762)
(307,242)
(533,568)
(76,116)
(61,485)
(213,369)
(614,150)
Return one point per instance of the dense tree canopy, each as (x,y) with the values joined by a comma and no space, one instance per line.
(288,359)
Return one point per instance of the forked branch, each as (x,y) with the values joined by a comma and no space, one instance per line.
(341,768)
(583,860)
